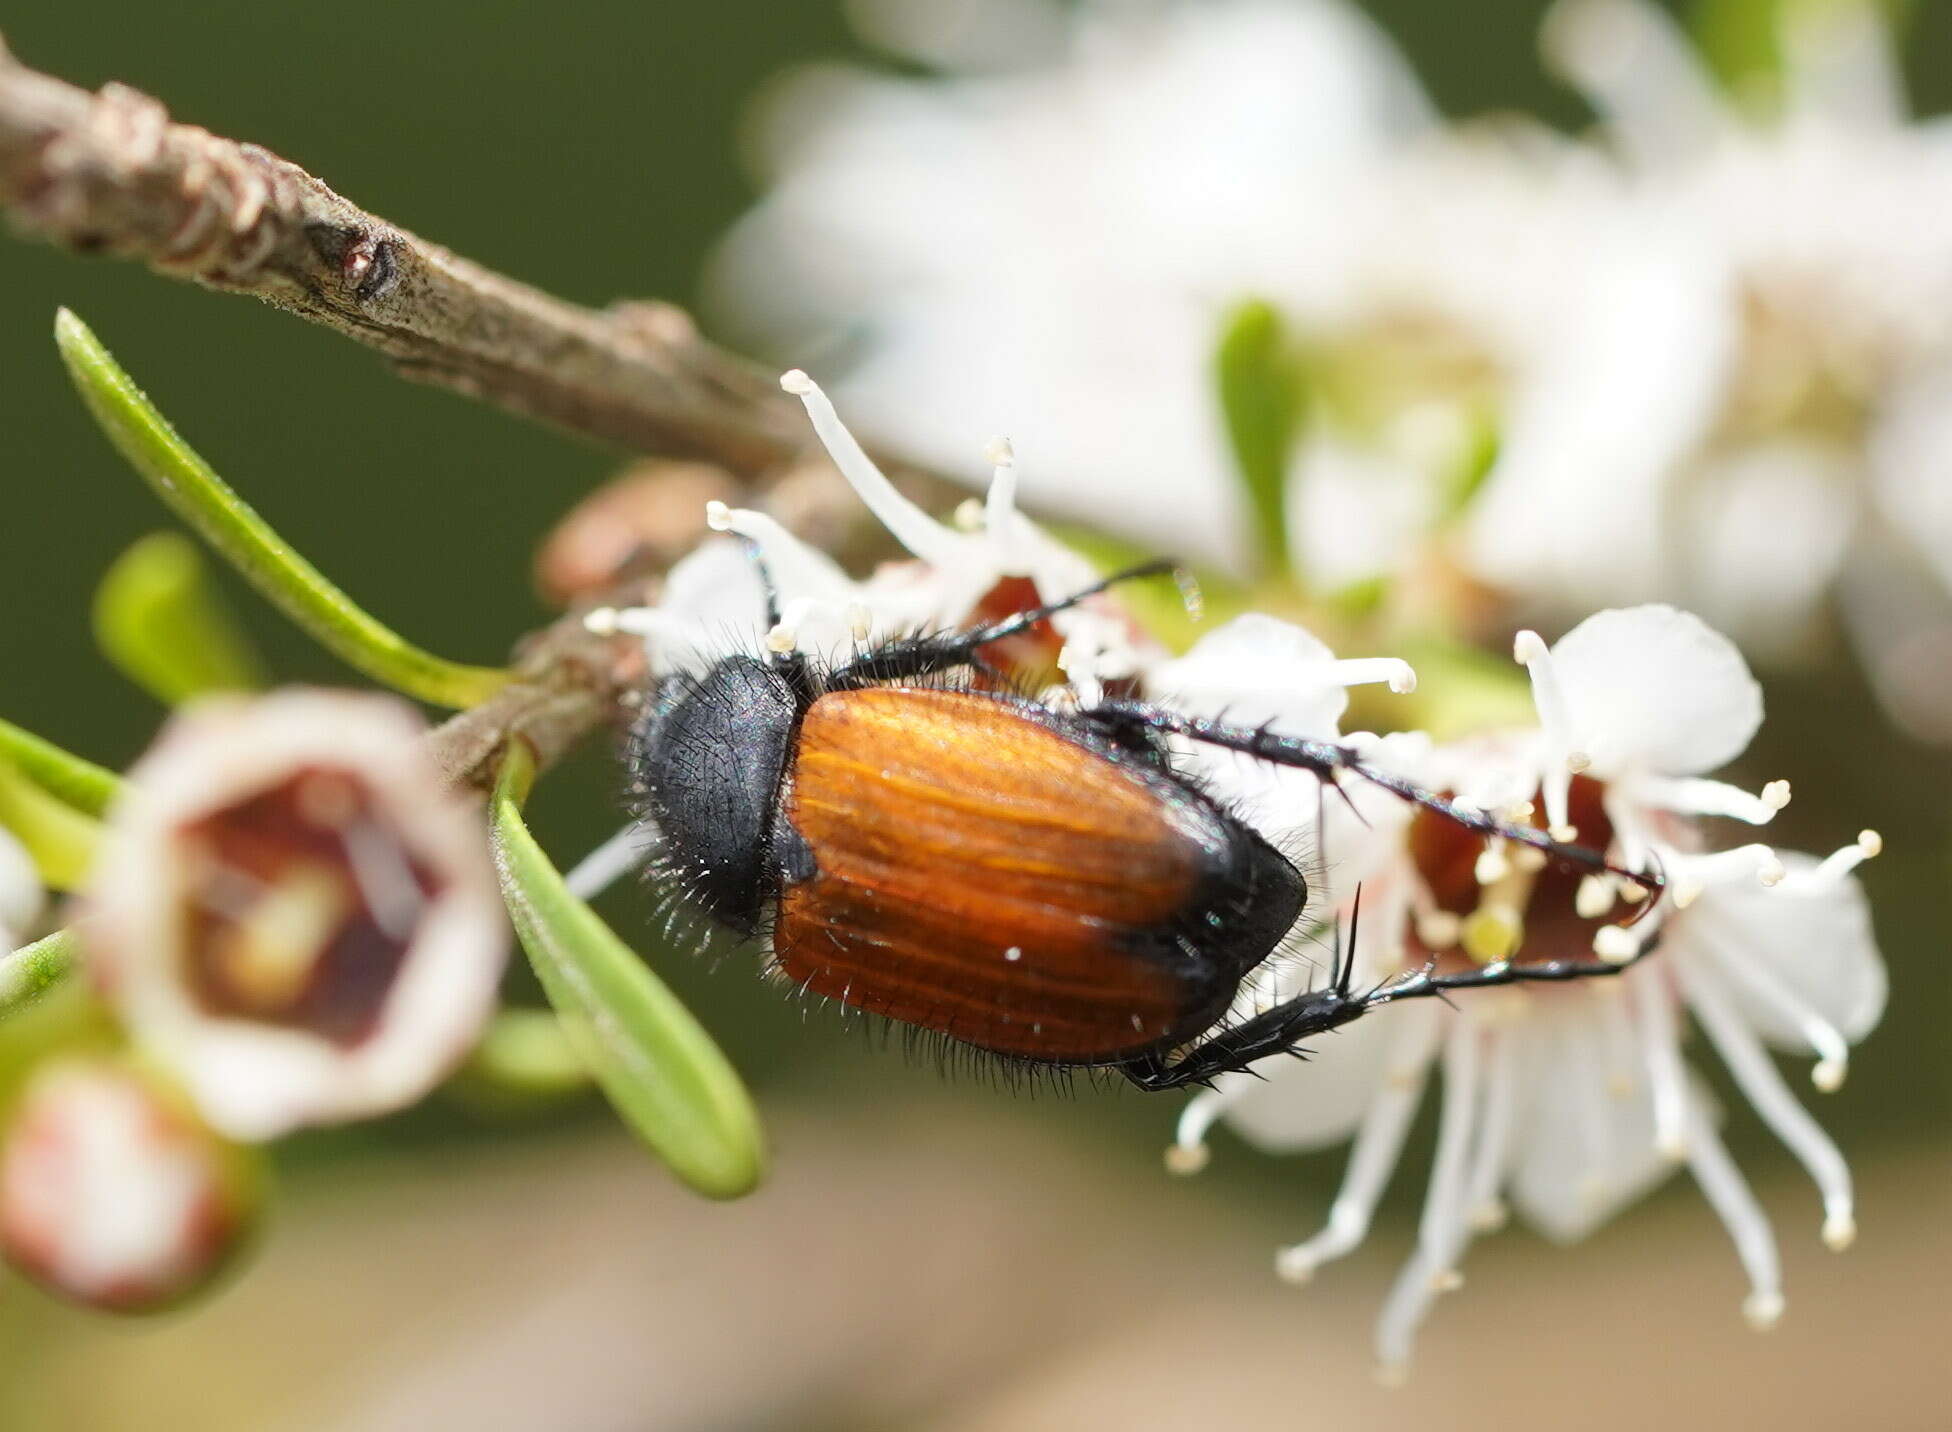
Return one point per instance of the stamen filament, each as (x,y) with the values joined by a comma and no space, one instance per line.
(1755,1241)
(920,533)
(1444,1226)
(1764,1088)
(1555,720)
(1372,1158)
(1695,796)
(1660,1052)
(1823,1037)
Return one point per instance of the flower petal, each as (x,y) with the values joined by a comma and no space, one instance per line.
(1257,668)
(1297,1105)
(1656,689)
(1587,1150)
(1813,939)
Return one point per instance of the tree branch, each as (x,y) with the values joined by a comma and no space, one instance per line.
(110,173)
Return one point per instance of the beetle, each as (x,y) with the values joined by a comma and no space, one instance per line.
(1033,882)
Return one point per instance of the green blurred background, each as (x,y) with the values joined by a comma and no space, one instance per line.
(935,1256)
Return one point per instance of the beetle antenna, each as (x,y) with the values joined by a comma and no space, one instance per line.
(1023,621)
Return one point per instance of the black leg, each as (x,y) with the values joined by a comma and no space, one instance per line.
(910,657)
(1326,760)
(1281,1029)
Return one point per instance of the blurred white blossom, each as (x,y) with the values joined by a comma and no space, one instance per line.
(291,914)
(1700,357)
(112,1194)
(1572,1100)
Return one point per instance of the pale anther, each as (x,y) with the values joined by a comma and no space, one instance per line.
(1615,944)
(1839,1232)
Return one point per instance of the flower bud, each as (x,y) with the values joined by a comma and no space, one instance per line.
(292,915)
(113,1194)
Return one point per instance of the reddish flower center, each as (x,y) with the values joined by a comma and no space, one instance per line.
(300,905)
(1543,898)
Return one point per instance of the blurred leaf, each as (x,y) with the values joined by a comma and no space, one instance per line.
(1262,383)
(1465,475)
(524,1062)
(195,493)
(165,627)
(660,1069)
(59,838)
(1741,40)
(81,784)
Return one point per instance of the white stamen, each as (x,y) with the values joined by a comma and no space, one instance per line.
(920,533)
(1660,1053)
(629,621)
(1695,796)
(782,639)
(795,566)
(1763,1086)
(1840,863)
(1823,1037)
(627,850)
(968,516)
(1486,1210)
(1363,671)
(1372,1158)
(1001,520)
(1188,1153)
(1755,1242)
(1492,866)
(1444,1225)
(1555,721)
(1694,873)
(1594,897)
(860,621)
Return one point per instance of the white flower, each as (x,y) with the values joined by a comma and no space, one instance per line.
(1571,1100)
(1814,458)
(292,914)
(1702,359)
(111,1193)
(1056,237)
(998,564)
(21,896)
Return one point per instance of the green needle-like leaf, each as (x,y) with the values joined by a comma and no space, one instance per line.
(81,784)
(32,970)
(195,493)
(59,838)
(659,1067)
(160,621)
(1262,392)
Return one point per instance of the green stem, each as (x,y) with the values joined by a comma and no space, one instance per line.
(659,1068)
(188,485)
(82,784)
(32,970)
